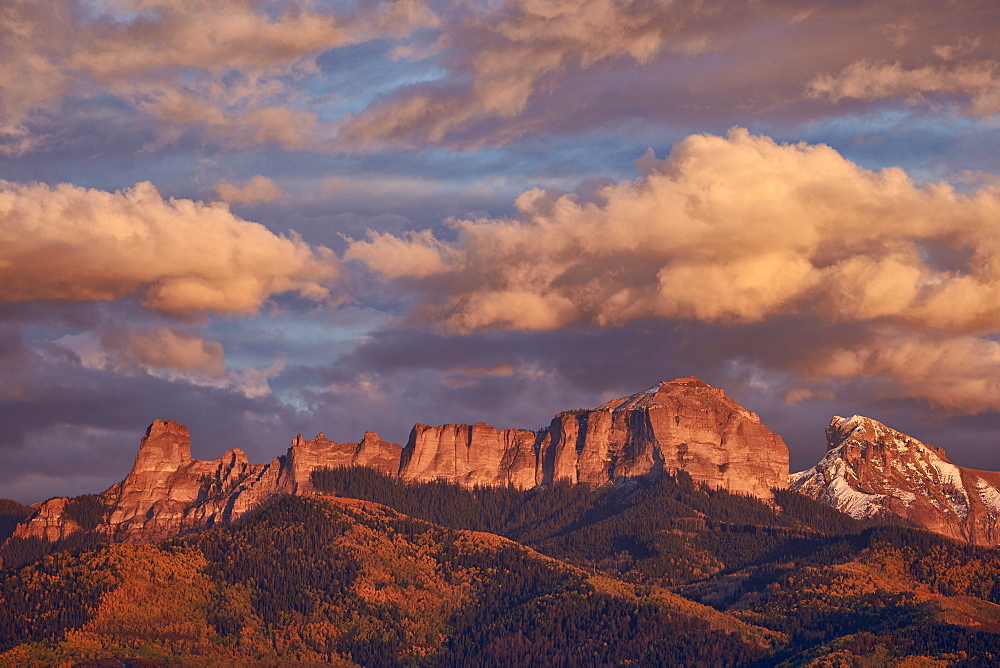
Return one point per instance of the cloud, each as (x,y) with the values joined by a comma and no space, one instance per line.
(172,353)
(471,74)
(232,71)
(978,81)
(729,229)
(165,348)
(75,429)
(958,373)
(798,395)
(180,256)
(505,70)
(258,189)
(412,254)
(736,233)
(508,51)
(964,69)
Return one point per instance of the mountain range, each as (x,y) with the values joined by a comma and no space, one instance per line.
(680,425)
(669,509)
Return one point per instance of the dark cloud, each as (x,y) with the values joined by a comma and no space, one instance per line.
(73,406)
(73,428)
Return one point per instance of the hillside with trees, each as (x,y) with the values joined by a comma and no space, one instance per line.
(383,572)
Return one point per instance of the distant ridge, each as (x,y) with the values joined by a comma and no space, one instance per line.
(680,425)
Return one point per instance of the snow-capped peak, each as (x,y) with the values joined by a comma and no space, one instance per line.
(870,468)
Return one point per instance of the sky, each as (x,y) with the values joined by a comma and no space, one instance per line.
(269,217)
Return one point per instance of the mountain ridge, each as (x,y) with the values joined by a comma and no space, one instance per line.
(679,425)
(653,570)
(870,468)
(650,572)
(684,425)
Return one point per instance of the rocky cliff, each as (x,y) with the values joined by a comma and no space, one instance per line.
(678,425)
(168,492)
(306,456)
(870,468)
(683,425)
(475,454)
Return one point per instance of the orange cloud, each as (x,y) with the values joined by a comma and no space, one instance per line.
(978,81)
(258,189)
(959,373)
(164,348)
(413,254)
(726,229)
(732,231)
(181,256)
(798,395)
(166,352)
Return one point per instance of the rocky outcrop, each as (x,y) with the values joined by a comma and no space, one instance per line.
(379,454)
(306,456)
(681,425)
(50,522)
(168,492)
(870,469)
(475,454)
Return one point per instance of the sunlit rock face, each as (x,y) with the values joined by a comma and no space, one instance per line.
(870,468)
(375,452)
(475,454)
(168,492)
(306,456)
(49,522)
(681,425)
(678,425)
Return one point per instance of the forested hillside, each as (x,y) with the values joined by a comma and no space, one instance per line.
(825,581)
(651,572)
(315,582)
(664,531)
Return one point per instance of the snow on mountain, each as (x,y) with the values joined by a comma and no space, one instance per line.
(870,469)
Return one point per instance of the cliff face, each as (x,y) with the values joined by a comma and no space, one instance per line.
(167,492)
(678,425)
(306,456)
(870,468)
(50,522)
(681,425)
(475,454)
